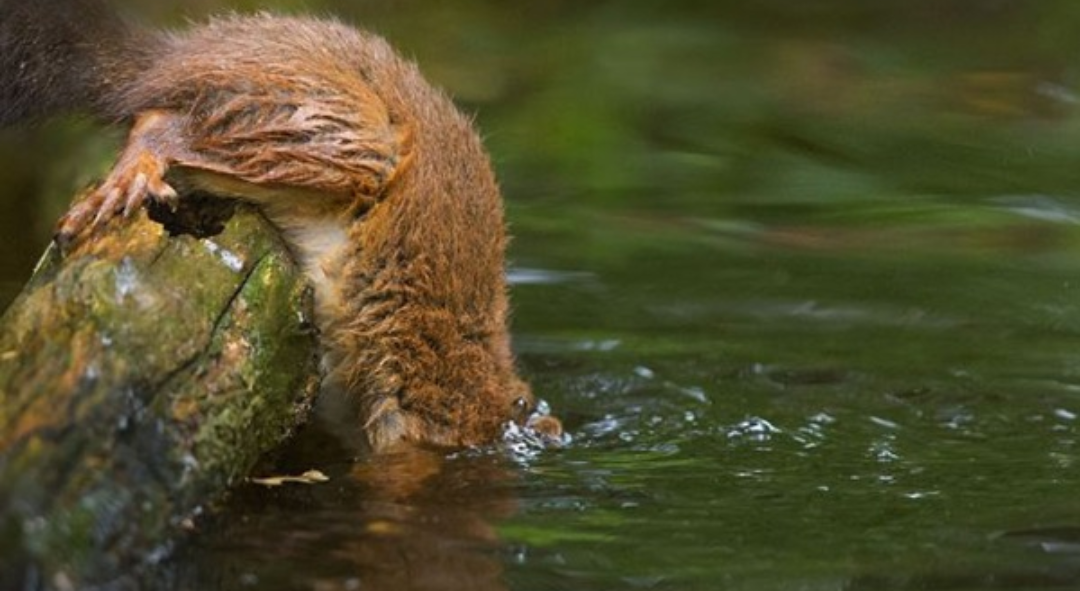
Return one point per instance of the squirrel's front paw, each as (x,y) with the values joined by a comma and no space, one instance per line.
(136,177)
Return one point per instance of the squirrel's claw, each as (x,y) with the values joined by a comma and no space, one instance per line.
(137,176)
(135,194)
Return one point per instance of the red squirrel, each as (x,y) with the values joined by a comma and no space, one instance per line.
(379,185)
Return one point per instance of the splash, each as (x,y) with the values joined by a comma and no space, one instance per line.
(524,442)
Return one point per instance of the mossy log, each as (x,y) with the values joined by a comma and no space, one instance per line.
(141,375)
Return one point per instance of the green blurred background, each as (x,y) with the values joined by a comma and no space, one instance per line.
(691,111)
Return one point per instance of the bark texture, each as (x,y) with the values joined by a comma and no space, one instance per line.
(141,376)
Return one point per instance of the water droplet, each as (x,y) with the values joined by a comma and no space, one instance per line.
(884,423)
(126,278)
(644,372)
(755,428)
(233,261)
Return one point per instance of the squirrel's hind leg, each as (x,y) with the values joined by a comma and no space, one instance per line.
(139,173)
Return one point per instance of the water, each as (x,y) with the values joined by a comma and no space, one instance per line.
(776,418)
(801,281)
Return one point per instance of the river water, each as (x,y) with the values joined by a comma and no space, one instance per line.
(803,283)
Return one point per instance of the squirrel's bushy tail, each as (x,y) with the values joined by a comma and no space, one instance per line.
(63,55)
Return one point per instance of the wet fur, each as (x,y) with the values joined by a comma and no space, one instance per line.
(378,182)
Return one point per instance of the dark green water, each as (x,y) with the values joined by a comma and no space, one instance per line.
(803,283)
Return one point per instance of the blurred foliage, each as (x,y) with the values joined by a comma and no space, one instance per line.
(723,115)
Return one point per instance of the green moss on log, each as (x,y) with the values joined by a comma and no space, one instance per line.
(140,377)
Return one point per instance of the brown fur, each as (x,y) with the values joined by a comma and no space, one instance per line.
(378,181)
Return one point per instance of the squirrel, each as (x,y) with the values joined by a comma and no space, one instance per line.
(377,182)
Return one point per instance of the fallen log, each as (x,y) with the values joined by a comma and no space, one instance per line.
(141,375)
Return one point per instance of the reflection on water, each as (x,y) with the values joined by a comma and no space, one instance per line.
(522,276)
(414,520)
